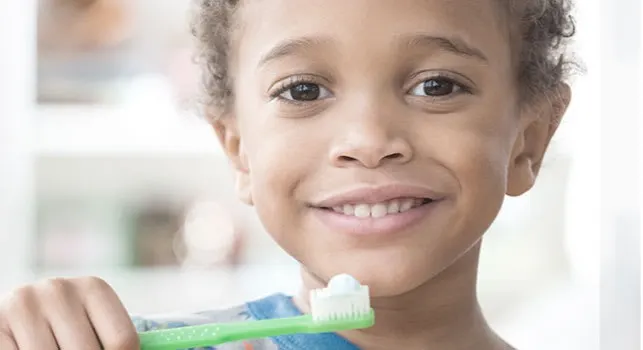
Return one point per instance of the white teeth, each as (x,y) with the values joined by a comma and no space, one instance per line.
(406,205)
(362,210)
(379,210)
(394,207)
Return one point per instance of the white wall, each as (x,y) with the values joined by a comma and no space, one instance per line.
(17,62)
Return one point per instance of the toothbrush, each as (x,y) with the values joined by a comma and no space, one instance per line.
(343,305)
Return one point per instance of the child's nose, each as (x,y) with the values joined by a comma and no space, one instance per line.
(371,134)
(371,150)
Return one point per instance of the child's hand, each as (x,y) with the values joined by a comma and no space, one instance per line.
(79,313)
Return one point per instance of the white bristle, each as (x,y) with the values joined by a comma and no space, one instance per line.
(344,298)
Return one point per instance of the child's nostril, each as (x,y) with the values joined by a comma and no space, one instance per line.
(394,156)
(347,159)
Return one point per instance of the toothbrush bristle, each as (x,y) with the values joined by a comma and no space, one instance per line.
(328,305)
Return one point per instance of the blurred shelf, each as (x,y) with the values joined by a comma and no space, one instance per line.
(147,130)
(131,150)
(129,176)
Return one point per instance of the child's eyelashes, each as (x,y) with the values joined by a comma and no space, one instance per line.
(301,89)
(309,89)
(305,92)
(438,87)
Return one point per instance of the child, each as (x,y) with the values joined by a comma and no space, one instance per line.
(374,138)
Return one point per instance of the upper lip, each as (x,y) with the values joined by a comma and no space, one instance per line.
(377,194)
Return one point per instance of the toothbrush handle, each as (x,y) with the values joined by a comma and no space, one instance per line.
(216,334)
(232,332)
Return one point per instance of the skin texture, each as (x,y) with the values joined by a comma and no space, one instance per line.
(77,313)
(372,124)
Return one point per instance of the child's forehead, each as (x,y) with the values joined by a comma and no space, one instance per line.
(359,23)
(453,12)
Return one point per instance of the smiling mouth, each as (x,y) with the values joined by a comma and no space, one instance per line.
(381,209)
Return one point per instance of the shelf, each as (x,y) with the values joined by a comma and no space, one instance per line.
(128,130)
(135,149)
(129,176)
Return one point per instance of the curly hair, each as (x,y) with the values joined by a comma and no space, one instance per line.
(539,31)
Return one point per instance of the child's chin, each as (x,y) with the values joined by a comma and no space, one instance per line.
(387,280)
(381,287)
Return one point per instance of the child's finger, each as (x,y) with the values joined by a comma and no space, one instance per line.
(67,317)
(29,328)
(111,321)
(7,342)
(32,332)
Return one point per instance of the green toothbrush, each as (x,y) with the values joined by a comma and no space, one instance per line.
(343,305)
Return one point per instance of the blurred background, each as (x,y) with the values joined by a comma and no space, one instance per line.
(107,169)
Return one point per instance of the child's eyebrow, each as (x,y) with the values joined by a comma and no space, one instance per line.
(290,46)
(454,45)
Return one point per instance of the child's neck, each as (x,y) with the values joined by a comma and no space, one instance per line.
(441,314)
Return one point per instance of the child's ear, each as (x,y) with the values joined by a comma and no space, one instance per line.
(541,121)
(228,133)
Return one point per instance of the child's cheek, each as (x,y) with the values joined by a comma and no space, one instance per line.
(477,157)
(283,159)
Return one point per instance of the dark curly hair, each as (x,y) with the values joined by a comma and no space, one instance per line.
(539,30)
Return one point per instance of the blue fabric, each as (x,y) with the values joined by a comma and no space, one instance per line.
(280,306)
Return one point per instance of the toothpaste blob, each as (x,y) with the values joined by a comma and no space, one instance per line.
(342,284)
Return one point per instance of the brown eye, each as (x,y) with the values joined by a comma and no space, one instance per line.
(436,87)
(304,92)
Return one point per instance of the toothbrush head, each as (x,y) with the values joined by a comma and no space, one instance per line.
(344,299)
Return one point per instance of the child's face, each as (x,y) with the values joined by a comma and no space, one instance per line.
(336,95)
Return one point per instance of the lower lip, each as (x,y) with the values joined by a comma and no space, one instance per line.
(386,225)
